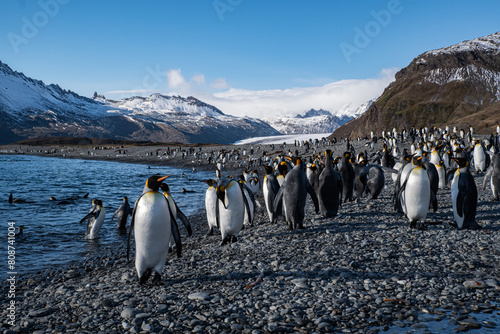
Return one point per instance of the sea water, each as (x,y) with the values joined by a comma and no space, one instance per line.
(53,236)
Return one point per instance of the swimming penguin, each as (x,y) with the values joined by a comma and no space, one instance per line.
(19,233)
(270,188)
(122,214)
(153,226)
(464,196)
(230,210)
(16,200)
(293,194)
(415,194)
(347,174)
(493,177)
(210,203)
(174,208)
(95,219)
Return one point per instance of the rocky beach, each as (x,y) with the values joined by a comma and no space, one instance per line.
(364,271)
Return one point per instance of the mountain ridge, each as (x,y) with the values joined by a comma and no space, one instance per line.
(447,86)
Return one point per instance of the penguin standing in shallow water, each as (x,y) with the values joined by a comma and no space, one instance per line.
(95,219)
(293,194)
(415,194)
(464,196)
(154,226)
(122,214)
(230,208)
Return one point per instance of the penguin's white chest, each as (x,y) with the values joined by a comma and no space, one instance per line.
(232,216)
(96,224)
(417,195)
(210,206)
(454,194)
(479,158)
(442,177)
(152,231)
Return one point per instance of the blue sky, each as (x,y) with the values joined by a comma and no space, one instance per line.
(224,51)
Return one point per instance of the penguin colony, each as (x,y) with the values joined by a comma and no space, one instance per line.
(437,160)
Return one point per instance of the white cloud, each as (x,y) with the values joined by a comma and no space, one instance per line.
(337,97)
(198,79)
(176,81)
(219,83)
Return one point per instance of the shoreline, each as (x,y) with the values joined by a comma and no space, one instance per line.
(363,271)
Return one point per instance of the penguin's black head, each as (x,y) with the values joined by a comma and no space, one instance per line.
(417,161)
(221,194)
(210,182)
(347,155)
(125,199)
(461,162)
(165,188)
(283,167)
(269,169)
(155,181)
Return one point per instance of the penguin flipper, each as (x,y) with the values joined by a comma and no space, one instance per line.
(132,221)
(314,197)
(278,197)
(177,236)
(182,217)
(460,202)
(217,219)
(487,176)
(247,206)
(92,214)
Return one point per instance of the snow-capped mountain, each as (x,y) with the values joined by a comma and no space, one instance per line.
(458,85)
(315,121)
(29,108)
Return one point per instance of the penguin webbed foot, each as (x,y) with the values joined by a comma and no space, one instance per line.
(413,224)
(145,276)
(421,226)
(157,280)
(453,224)
(210,232)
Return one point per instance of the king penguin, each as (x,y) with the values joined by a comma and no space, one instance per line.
(493,177)
(415,194)
(347,174)
(270,188)
(210,203)
(122,214)
(293,193)
(174,209)
(329,189)
(230,210)
(153,229)
(464,196)
(479,157)
(95,219)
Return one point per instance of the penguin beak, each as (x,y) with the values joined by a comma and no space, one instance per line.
(163,178)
